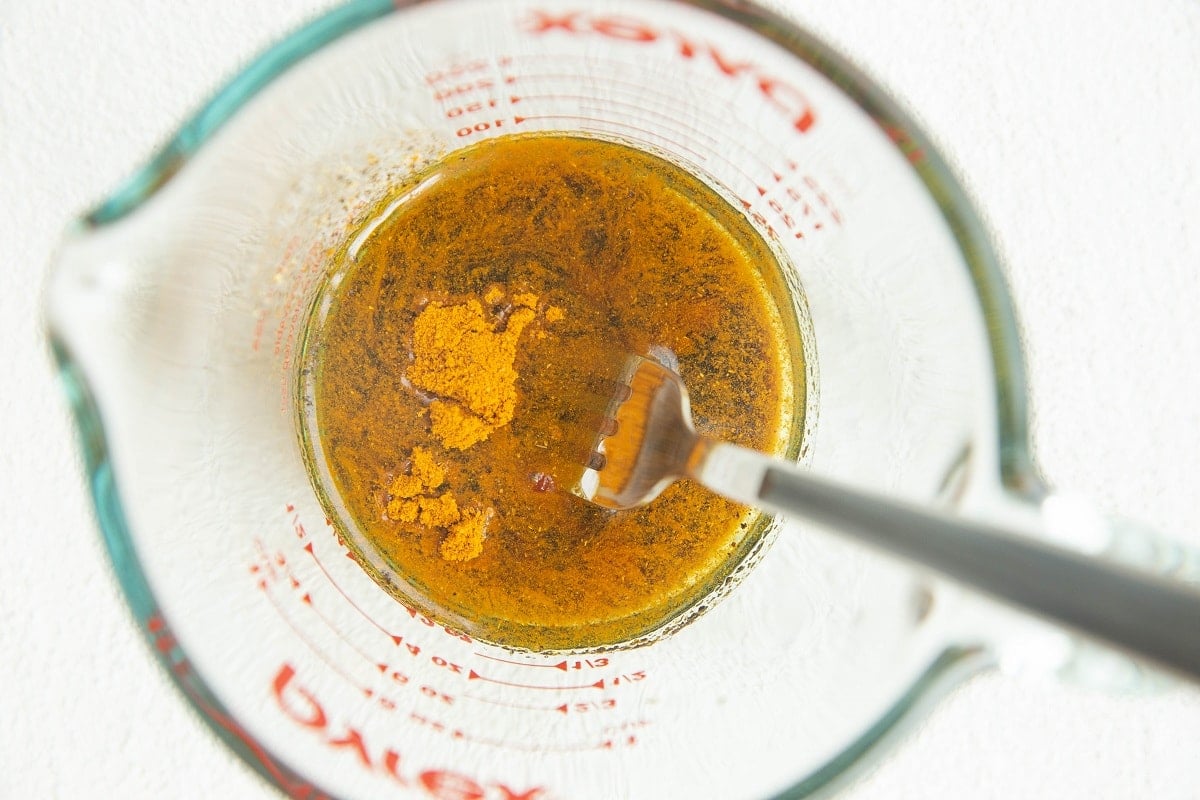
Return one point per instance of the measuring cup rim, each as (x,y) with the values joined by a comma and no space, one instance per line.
(1016,470)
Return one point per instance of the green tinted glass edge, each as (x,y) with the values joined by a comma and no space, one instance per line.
(1017,472)
(225,103)
(951,667)
(110,515)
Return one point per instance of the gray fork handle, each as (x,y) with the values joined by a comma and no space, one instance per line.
(1135,610)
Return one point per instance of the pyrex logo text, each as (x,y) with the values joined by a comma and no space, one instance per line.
(303,708)
(783,96)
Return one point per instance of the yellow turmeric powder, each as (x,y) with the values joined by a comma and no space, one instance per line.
(456,427)
(424,476)
(426,470)
(438,512)
(465,540)
(412,499)
(460,357)
(485,294)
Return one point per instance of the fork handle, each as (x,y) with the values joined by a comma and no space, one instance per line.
(1137,611)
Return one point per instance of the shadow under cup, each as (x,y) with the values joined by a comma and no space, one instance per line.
(177,310)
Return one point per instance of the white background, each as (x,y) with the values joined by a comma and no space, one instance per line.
(1075,126)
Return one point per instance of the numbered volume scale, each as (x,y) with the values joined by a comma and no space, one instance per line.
(310,344)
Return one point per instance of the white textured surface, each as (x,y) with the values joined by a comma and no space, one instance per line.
(1075,125)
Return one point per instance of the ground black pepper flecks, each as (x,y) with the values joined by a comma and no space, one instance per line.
(636,255)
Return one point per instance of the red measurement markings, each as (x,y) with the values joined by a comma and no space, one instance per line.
(517,706)
(306,598)
(303,708)
(308,548)
(187,681)
(478,85)
(394,675)
(598,104)
(823,199)
(297,526)
(802,211)
(632,677)
(457,669)
(397,639)
(524,747)
(667,134)
(562,665)
(593,122)
(781,95)
(435,694)
(301,533)
(553,747)
(428,623)
(438,77)
(587,663)
(265,573)
(472,675)
(641,91)
(625,727)
(389,672)
(317,651)
(456,71)
(485,125)
(796,110)
(400,679)
(476,107)
(271,567)
(587,707)
(704,116)
(740,142)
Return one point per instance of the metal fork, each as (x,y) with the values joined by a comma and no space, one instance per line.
(647,441)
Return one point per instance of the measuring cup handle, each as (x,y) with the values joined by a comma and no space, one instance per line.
(1077,523)
(1144,612)
(1133,608)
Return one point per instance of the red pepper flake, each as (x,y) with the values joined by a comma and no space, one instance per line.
(542,482)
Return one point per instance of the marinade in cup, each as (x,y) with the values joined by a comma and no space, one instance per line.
(471,298)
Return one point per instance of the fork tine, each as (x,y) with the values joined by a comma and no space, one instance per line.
(644,440)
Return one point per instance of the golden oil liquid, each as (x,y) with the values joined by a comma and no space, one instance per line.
(640,256)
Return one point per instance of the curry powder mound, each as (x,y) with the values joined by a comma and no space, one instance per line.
(425,476)
(413,498)
(452,331)
(466,537)
(460,357)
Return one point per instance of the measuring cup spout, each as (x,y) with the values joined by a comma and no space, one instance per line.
(88,285)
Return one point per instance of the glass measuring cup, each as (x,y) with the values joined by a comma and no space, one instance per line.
(153,266)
